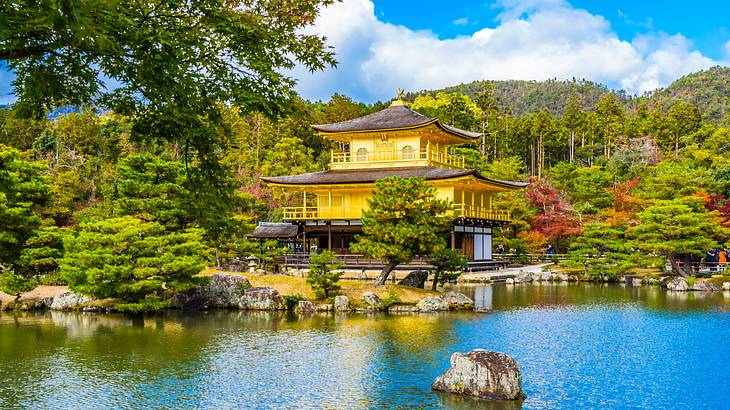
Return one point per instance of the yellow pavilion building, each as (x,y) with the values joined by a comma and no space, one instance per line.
(396,141)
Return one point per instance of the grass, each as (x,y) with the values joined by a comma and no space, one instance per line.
(290,285)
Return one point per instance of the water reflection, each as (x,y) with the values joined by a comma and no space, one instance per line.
(578,346)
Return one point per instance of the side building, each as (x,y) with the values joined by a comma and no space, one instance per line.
(396,141)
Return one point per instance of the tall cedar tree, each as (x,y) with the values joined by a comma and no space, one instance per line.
(679,227)
(404,219)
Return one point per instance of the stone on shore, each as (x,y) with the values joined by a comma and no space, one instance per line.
(546,276)
(305,306)
(703,285)
(415,279)
(432,304)
(725,285)
(678,284)
(403,309)
(262,299)
(509,281)
(458,301)
(342,303)
(484,374)
(371,299)
(68,301)
(224,291)
(635,282)
(325,307)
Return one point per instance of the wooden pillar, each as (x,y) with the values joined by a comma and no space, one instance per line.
(329,237)
(329,203)
(453,238)
(304,203)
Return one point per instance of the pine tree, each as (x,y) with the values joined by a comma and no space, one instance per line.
(404,219)
(324,274)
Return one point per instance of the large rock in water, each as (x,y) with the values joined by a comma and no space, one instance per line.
(68,301)
(262,299)
(484,374)
(371,299)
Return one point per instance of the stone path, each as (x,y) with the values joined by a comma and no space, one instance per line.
(500,275)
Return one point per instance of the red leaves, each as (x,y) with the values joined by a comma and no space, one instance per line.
(556,218)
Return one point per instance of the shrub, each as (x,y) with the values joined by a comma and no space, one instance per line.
(322,277)
(290,301)
(391,299)
(13,283)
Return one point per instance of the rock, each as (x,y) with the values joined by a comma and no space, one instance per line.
(562,277)
(224,291)
(371,299)
(325,307)
(546,276)
(523,277)
(403,309)
(482,309)
(261,299)
(342,304)
(725,285)
(652,281)
(415,279)
(635,282)
(458,301)
(703,285)
(68,301)
(509,281)
(484,374)
(305,306)
(432,304)
(678,284)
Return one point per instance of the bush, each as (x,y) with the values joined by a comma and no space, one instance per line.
(290,301)
(391,299)
(13,283)
(53,279)
(447,266)
(322,278)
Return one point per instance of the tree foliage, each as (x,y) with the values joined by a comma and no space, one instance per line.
(324,273)
(404,219)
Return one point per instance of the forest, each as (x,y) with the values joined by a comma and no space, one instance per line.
(617,185)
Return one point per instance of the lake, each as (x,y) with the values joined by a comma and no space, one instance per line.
(579,346)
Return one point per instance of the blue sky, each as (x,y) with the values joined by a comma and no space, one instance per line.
(382,45)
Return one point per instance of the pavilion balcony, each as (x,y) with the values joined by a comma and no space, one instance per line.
(427,156)
(300,213)
(475,212)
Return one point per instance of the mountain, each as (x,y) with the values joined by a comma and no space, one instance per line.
(709,90)
(525,97)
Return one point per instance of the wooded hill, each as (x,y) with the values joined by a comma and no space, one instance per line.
(708,90)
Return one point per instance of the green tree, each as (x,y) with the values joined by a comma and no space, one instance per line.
(404,219)
(23,193)
(42,253)
(683,119)
(324,273)
(601,250)
(132,260)
(681,226)
(573,119)
(487,102)
(447,265)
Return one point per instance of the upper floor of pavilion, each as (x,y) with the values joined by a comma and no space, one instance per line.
(394,137)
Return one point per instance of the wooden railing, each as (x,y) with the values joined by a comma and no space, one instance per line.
(468,211)
(428,155)
(300,213)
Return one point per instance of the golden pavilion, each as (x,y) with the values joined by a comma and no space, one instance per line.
(396,141)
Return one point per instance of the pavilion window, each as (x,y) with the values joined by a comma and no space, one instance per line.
(362,155)
(408,152)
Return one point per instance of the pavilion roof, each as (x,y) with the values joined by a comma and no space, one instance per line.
(274,231)
(364,176)
(395,117)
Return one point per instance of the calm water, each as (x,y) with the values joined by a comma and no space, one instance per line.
(578,346)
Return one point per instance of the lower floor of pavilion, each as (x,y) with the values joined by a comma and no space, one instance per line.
(472,238)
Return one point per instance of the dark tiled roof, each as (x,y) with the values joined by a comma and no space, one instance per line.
(354,176)
(393,117)
(276,231)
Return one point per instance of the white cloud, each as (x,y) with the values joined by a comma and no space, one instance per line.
(533,40)
(462,21)
(727,49)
